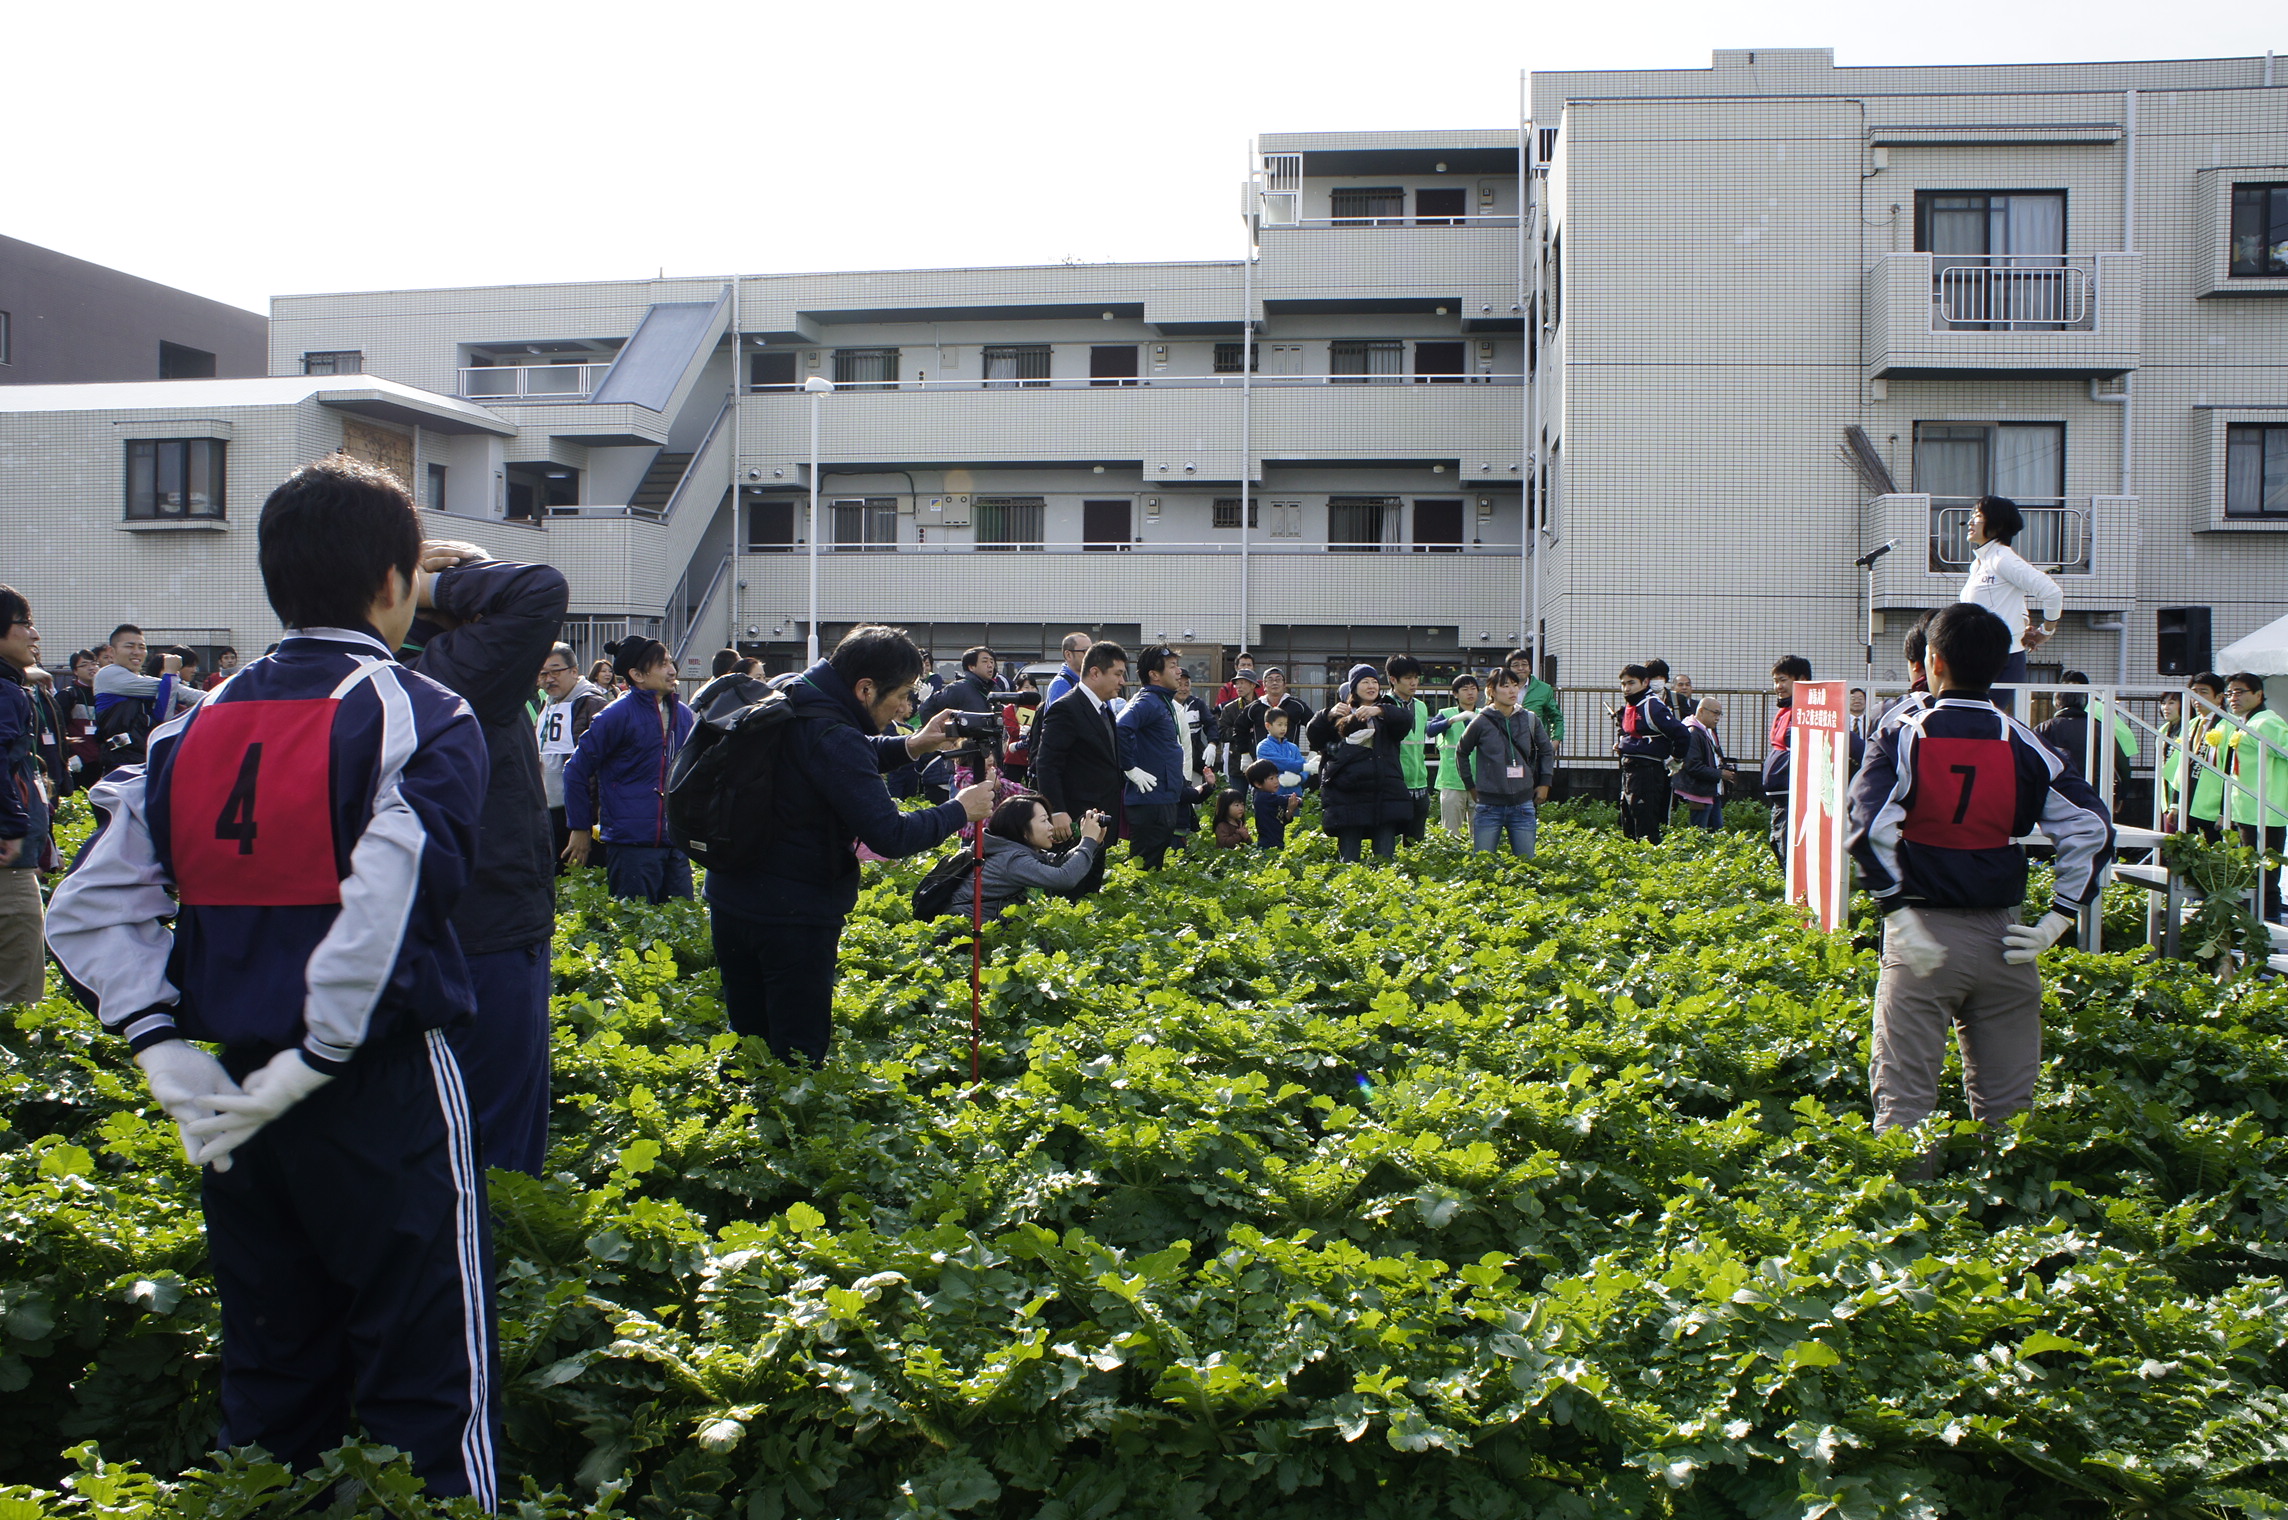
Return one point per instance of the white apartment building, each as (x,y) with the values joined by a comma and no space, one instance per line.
(1741,325)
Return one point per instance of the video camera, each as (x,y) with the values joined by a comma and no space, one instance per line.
(979,734)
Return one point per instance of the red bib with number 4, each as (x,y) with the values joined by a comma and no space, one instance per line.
(250,802)
(1966,794)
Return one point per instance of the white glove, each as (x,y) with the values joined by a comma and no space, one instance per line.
(1208,756)
(1289,778)
(1143,780)
(1311,766)
(285,1080)
(2026,942)
(183,1078)
(1919,949)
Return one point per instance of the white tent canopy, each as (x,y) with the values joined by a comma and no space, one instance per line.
(2262,653)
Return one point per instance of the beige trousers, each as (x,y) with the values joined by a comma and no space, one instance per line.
(1993,1008)
(1454,811)
(23,953)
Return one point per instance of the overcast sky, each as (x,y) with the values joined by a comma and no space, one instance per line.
(244,150)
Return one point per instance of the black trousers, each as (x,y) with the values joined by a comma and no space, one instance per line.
(653,873)
(503,1053)
(2275,840)
(1348,840)
(1151,829)
(1644,801)
(352,1255)
(599,853)
(1418,827)
(778,980)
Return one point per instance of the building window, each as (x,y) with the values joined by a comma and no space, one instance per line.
(1010,522)
(1356,524)
(866,369)
(338,362)
(7,340)
(1363,361)
(1230,357)
(177,362)
(771,372)
(1009,366)
(436,500)
(1955,464)
(867,525)
(2260,229)
(770,527)
(1438,527)
(174,477)
(1227,512)
(1440,208)
(2256,469)
(1383,206)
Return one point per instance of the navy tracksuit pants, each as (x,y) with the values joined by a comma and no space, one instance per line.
(353,1259)
(503,1053)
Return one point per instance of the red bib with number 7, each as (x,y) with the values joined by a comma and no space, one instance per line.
(250,802)
(1966,794)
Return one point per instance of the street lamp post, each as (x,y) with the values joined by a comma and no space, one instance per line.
(817,385)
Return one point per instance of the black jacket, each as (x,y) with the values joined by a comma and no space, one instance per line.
(971,693)
(828,791)
(510,616)
(1362,786)
(1076,756)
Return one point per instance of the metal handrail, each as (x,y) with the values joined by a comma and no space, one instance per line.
(1255,546)
(2042,292)
(690,467)
(2055,536)
(497,385)
(1315,223)
(696,614)
(1162,382)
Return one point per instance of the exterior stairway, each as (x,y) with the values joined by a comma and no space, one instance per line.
(650,498)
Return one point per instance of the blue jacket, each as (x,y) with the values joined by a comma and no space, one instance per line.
(1151,740)
(316,817)
(1287,757)
(828,792)
(1649,731)
(1064,680)
(1944,792)
(623,752)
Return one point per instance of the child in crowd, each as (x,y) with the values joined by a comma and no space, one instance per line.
(1231,820)
(1278,748)
(1271,805)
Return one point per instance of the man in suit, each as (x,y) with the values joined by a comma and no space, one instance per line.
(1076,752)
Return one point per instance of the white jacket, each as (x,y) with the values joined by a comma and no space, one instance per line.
(2003,583)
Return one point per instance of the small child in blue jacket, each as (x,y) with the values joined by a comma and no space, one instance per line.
(629,749)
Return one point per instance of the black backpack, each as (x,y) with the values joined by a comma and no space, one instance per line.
(722,787)
(946,890)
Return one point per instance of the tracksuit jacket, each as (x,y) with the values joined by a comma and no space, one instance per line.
(277,942)
(623,752)
(1650,733)
(23,805)
(1151,740)
(1945,790)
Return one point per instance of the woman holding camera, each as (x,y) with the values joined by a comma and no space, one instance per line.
(1362,791)
(1018,858)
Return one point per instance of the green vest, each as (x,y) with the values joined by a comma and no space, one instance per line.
(1450,747)
(1413,765)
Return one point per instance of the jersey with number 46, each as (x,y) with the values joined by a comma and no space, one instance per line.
(1947,788)
(314,822)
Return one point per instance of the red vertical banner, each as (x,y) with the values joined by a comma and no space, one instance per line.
(1819,774)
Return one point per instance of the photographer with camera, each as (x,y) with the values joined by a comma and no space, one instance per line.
(778,925)
(1020,854)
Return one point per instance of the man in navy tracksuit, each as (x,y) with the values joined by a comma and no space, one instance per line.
(484,628)
(629,749)
(315,821)
(1649,735)
(1946,789)
(1152,754)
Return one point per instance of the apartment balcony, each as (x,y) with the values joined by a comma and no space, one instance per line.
(1467,264)
(2088,544)
(1176,427)
(532,382)
(1946,315)
(1195,586)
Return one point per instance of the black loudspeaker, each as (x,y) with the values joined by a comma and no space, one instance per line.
(2183,640)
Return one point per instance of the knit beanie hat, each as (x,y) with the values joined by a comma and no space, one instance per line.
(1359,673)
(634,653)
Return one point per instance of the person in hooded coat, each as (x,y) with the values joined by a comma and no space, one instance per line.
(1362,789)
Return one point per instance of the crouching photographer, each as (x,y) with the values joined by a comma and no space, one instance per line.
(778,921)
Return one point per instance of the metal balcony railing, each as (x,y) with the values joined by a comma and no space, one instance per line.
(1154,382)
(510,382)
(2056,536)
(2013,293)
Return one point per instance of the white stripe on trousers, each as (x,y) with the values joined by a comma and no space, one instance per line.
(476,1435)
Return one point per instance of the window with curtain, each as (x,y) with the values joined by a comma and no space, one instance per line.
(1956,463)
(2260,229)
(2256,469)
(1361,361)
(1381,206)
(1010,522)
(337,362)
(866,525)
(175,477)
(1009,366)
(1998,257)
(1360,524)
(866,369)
